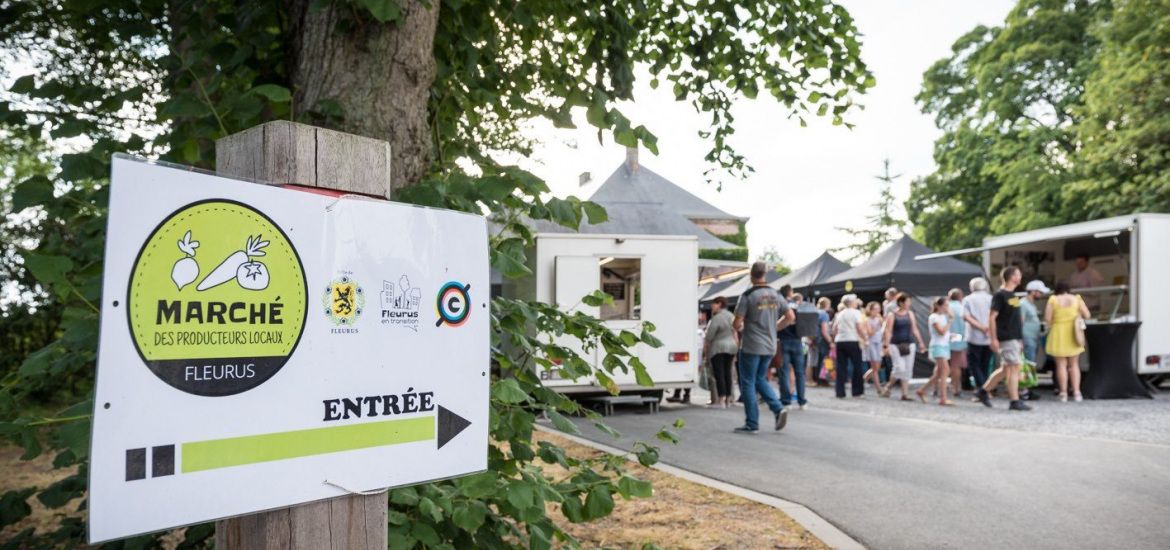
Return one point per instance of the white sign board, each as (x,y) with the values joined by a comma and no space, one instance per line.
(263,347)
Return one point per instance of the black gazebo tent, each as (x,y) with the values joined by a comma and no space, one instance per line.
(818,271)
(895,266)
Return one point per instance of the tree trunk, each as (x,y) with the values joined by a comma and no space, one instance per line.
(379,74)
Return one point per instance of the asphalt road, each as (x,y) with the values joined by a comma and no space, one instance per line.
(906,483)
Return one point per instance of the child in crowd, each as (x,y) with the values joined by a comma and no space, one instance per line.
(940,351)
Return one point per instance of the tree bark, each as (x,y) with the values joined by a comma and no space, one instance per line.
(379,74)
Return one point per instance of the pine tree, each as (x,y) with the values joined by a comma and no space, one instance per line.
(884,225)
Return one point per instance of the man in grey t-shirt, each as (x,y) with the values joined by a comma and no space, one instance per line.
(759,313)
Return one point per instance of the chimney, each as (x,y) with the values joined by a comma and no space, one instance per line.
(584,179)
(632,159)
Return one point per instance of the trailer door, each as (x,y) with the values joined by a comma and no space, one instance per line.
(576,276)
(573,278)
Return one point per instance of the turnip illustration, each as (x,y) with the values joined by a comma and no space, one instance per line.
(251,275)
(186,270)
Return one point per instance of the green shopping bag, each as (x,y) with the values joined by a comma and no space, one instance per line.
(1028,378)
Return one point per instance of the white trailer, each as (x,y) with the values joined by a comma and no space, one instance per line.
(1130,252)
(651,279)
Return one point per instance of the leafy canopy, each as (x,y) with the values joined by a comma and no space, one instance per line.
(1057,116)
(1008,103)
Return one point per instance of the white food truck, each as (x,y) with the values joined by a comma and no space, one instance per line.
(650,277)
(1130,254)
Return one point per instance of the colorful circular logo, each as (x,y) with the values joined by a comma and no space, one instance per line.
(217,298)
(849,286)
(453,304)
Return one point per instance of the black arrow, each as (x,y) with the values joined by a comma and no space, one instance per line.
(450,424)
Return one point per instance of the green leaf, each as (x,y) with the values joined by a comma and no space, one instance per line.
(396,517)
(640,373)
(14,506)
(508,390)
(599,503)
(70,128)
(23,85)
(521,494)
(478,485)
(561,423)
(470,516)
(428,507)
(48,270)
(597,298)
(631,487)
(510,258)
(74,436)
(384,11)
(564,213)
(425,534)
(405,496)
(595,212)
(538,539)
(34,191)
(273,92)
(573,510)
(60,493)
(597,111)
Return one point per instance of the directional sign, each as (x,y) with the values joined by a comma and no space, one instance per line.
(263,347)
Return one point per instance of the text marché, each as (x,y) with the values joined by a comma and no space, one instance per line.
(222,313)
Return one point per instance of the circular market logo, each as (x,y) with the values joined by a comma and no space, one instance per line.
(217,298)
(453,304)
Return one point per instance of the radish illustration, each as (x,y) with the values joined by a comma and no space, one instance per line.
(186,270)
(251,275)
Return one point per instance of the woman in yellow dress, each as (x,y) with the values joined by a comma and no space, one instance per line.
(1061,314)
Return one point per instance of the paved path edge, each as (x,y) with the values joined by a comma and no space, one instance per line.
(815,524)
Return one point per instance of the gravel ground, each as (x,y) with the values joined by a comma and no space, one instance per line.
(1137,420)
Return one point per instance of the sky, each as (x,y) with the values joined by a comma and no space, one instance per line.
(808,180)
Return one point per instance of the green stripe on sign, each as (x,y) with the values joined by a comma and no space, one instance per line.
(251,449)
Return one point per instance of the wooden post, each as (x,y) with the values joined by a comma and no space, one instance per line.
(287,152)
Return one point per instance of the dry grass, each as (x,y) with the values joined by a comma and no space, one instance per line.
(682,514)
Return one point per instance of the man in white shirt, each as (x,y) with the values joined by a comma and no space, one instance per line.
(976,311)
(1086,277)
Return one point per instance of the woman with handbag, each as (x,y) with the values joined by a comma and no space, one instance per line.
(720,343)
(902,332)
(1066,314)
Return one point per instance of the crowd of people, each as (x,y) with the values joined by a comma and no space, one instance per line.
(858,344)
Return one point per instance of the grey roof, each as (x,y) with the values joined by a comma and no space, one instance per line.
(638,218)
(643,185)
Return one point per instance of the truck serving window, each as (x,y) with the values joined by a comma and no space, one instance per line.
(621,278)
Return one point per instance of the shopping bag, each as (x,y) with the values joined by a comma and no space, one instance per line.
(1028,378)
